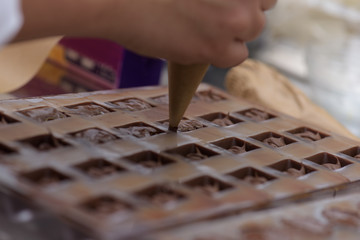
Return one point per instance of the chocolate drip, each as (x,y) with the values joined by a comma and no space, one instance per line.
(333,166)
(132,105)
(257,115)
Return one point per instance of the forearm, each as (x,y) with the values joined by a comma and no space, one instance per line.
(44,18)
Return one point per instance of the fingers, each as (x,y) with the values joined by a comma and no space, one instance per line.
(267,4)
(234,54)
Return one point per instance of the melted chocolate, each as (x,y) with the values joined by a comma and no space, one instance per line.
(332,166)
(139,131)
(296,172)
(6,120)
(308,225)
(162,196)
(309,135)
(88,110)
(255,180)
(45,142)
(197,155)
(44,114)
(223,122)
(132,104)
(106,206)
(342,217)
(237,149)
(186,125)
(209,188)
(162,99)
(96,136)
(357,156)
(257,115)
(45,177)
(99,168)
(208,96)
(275,142)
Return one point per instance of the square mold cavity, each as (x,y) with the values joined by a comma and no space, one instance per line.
(97,168)
(309,134)
(252,176)
(329,161)
(353,152)
(130,104)
(256,115)
(45,142)
(106,205)
(208,185)
(185,125)
(138,130)
(235,145)
(149,159)
(45,176)
(4,150)
(193,152)
(273,139)
(221,119)
(94,135)
(292,168)
(163,99)
(88,109)
(43,114)
(160,195)
(4,119)
(208,96)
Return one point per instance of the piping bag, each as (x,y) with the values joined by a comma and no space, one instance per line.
(183,82)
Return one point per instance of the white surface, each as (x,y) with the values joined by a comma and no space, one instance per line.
(10,19)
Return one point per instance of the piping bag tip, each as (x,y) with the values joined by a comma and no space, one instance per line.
(183,82)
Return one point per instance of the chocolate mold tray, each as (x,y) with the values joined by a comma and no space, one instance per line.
(318,220)
(102,165)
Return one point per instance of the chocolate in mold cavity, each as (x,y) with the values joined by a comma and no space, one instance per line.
(139,130)
(131,104)
(308,134)
(214,237)
(160,195)
(45,176)
(221,119)
(94,135)
(105,205)
(149,159)
(4,119)
(87,109)
(329,161)
(193,152)
(208,96)
(163,99)
(308,225)
(97,168)
(273,139)
(235,145)
(251,176)
(338,216)
(259,232)
(256,114)
(292,168)
(208,185)
(352,152)
(4,150)
(186,125)
(43,114)
(44,142)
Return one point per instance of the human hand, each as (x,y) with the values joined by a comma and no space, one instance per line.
(193,31)
(182,31)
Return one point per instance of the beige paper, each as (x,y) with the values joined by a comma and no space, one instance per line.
(19,62)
